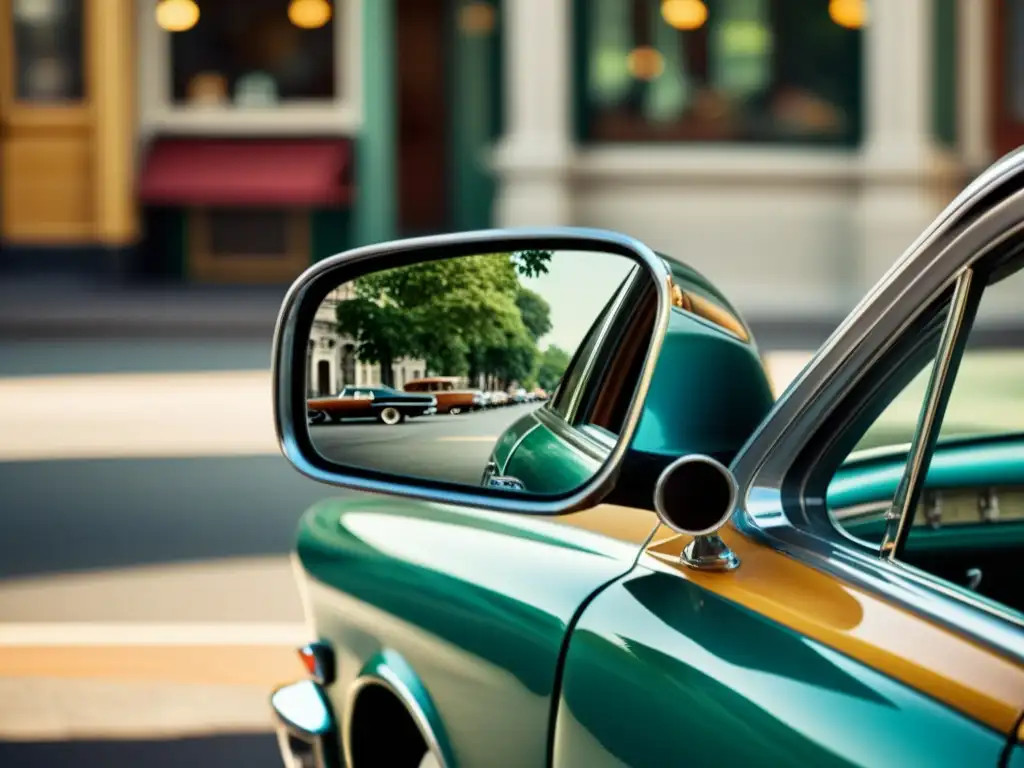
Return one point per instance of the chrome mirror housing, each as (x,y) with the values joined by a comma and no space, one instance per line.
(428,391)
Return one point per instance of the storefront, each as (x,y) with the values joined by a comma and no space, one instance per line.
(790,148)
(238,143)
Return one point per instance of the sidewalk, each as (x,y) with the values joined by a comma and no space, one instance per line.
(64,308)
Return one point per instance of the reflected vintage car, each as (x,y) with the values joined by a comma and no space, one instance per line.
(733,580)
(451,398)
(387,405)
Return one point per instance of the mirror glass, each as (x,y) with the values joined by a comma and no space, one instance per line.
(487,370)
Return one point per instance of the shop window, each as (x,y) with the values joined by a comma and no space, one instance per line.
(268,52)
(248,232)
(248,245)
(755,71)
(48,50)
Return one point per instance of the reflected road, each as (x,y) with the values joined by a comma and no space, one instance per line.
(442,447)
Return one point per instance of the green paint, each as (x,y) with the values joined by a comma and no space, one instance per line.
(477,605)
(474,71)
(330,232)
(661,672)
(376,210)
(944,68)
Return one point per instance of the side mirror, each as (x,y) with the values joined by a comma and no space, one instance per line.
(696,495)
(459,339)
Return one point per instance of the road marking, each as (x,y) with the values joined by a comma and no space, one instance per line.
(64,634)
(466,439)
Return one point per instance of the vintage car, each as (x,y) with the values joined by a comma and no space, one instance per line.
(387,405)
(451,397)
(741,580)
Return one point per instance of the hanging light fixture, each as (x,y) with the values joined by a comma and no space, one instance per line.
(684,14)
(177,15)
(309,14)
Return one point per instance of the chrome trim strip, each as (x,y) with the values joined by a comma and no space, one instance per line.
(867,509)
(385,678)
(901,517)
(952,244)
(517,443)
(353,262)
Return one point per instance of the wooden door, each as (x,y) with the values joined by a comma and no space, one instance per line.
(422,116)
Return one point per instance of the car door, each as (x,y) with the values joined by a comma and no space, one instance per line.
(819,649)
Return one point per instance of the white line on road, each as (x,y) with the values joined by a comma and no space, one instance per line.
(64,634)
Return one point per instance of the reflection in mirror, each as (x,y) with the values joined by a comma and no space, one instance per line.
(451,369)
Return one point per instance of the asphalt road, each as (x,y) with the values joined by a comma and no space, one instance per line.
(439,447)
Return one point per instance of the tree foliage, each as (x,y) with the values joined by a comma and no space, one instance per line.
(466,315)
(551,365)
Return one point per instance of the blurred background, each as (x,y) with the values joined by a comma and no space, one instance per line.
(168,167)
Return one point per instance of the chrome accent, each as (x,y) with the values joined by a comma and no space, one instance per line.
(974,576)
(350,264)
(707,551)
(505,482)
(894,538)
(988,505)
(859,511)
(933,509)
(305,726)
(968,230)
(385,678)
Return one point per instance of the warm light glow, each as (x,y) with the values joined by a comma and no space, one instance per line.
(684,14)
(852,14)
(645,63)
(177,15)
(477,18)
(309,14)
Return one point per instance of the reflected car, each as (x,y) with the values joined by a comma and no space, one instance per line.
(451,398)
(387,405)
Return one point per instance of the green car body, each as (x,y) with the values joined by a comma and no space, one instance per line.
(585,639)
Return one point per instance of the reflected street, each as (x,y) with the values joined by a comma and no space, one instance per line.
(440,447)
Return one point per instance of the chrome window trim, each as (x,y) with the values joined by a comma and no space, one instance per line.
(947,361)
(952,245)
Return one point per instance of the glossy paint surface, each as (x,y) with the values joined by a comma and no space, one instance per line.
(472,606)
(708,394)
(661,671)
(939,662)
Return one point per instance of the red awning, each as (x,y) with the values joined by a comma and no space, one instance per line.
(241,172)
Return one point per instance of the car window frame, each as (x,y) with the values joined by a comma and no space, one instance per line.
(783,486)
(806,482)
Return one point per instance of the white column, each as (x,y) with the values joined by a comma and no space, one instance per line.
(907,180)
(532,161)
(974,74)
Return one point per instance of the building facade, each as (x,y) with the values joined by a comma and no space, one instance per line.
(790,149)
(331,360)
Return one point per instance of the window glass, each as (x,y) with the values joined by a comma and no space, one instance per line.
(968,526)
(48,60)
(257,58)
(721,70)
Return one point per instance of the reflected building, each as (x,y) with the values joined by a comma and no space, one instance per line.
(331,360)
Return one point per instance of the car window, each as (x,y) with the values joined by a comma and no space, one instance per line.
(567,394)
(968,522)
